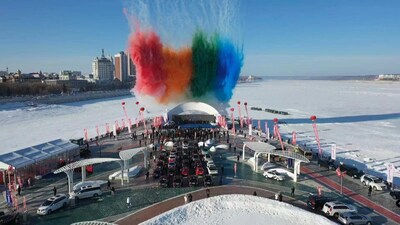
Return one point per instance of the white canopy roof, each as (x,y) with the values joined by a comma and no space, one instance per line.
(84,162)
(127,154)
(259,146)
(30,155)
(263,147)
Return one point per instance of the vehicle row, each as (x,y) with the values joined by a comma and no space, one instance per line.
(344,213)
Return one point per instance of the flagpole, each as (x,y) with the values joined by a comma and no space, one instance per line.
(341,184)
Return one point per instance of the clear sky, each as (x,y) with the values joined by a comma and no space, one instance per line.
(280,37)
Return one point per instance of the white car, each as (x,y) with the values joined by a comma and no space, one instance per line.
(52,204)
(207,157)
(85,192)
(212,170)
(210,163)
(376,183)
(273,174)
(335,208)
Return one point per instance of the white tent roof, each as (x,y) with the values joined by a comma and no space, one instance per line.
(30,155)
(190,108)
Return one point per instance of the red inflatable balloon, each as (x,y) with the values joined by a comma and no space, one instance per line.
(142,109)
(245,103)
(275,120)
(137,103)
(123,103)
(313,118)
(232,109)
(238,102)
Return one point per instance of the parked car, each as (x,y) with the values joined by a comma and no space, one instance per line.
(208,181)
(207,157)
(199,171)
(273,174)
(327,163)
(351,171)
(316,202)
(171,165)
(212,170)
(52,204)
(335,208)
(9,218)
(193,181)
(156,173)
(374,182)
(210,163)
(171,158)
(163,182)
(354,218)
(395,194)
(86,192)
(185,171)
(177,181)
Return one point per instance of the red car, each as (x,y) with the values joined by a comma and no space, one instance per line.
(199,171)
(185,171)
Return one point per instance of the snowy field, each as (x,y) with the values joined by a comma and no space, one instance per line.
(238,209)
(361,117)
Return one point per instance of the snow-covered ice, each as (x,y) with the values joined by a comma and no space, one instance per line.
(361,117)
(238,209)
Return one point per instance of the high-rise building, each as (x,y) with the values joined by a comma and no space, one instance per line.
(103,68)
(121,66)
(131,66)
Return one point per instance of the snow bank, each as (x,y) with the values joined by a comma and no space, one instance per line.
(238,209)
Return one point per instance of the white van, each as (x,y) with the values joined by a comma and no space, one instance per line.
(86,192)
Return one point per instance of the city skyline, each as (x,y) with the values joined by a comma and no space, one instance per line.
(279,38)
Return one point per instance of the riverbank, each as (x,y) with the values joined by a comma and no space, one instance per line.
(65,98)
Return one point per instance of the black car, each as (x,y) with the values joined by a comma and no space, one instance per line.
(351,171)
(156,173)
(327,163)
(163,182)
(208,181)
(192,181)
(9,218)
(177,181)
(395,194)
(316,202)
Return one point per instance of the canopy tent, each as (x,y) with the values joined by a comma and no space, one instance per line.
(27,156)
(265,148)
(69,168)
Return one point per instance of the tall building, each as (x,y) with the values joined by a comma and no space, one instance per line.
(131,66)
(121,67)
(103,68)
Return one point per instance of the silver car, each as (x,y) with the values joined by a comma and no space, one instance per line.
(354,218)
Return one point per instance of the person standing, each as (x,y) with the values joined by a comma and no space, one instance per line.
(292,193)
(128,202)
(185,198)
(238,157)
(190,197)
(147,175)
(280,197)
(208,192)
(369,190)
(19,189)
(255,193)
(54,190)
